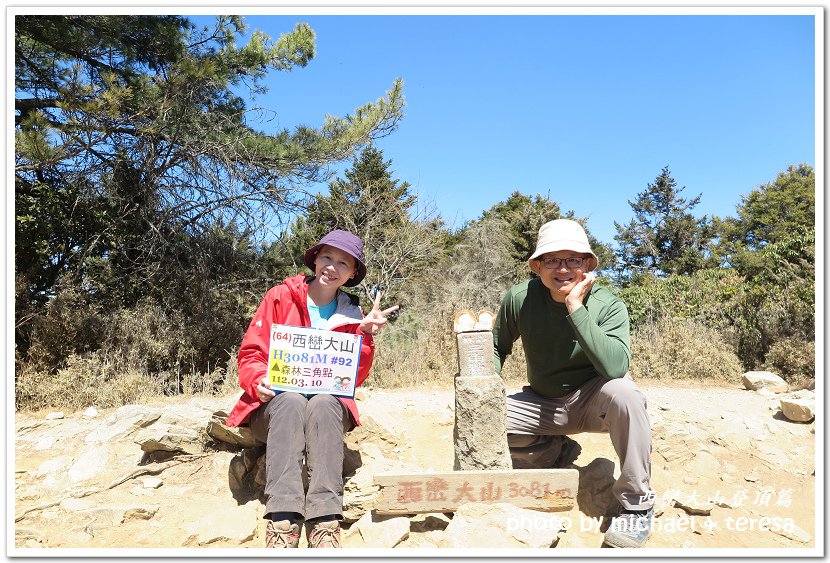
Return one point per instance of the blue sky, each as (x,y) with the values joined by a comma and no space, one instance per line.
(586,109)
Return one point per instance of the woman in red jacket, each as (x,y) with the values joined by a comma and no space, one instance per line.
(297,426)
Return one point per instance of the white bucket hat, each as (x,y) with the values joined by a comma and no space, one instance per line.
(564,234)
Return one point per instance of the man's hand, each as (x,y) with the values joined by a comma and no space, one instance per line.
(376,319)
(577,295)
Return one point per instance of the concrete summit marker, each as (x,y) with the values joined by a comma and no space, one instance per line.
(483,470)
(480,406)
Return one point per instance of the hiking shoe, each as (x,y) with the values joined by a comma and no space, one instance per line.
(323,534)
(282,533)
(630,529)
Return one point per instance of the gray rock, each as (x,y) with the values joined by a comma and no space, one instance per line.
(212,405)
(755,380)
(480,406)
(794,533)
(55,416)
(151,482)
(235,436)
(475,354)
(195,414)
(235,524)
(377,532)
(170,438)
(359,494)
(125,420)
(92,461)
(798,410)
(482,525)
(116,514)
(693,506)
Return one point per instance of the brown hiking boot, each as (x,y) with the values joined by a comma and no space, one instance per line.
(323,534)
(283,533)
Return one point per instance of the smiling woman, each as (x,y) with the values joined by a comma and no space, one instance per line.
(157,206)
(307,428)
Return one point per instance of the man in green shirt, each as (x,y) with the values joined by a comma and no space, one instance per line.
(575,337)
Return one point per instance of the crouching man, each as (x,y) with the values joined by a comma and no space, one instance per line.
(575,337)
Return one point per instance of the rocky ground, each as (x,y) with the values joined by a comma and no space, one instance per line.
(730,471)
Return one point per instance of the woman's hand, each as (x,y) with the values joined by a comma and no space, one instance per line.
(263,390)
(374,321)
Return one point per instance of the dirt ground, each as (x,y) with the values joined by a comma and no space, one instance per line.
(720,443)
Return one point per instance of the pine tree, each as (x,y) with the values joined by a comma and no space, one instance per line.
(132,132)
(663,237)
(400,236)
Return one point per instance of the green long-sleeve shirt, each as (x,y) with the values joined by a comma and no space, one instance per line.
(563,351)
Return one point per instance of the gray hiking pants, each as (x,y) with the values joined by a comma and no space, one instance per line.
(614,406)
(294,428)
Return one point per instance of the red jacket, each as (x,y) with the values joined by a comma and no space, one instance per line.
(286,304)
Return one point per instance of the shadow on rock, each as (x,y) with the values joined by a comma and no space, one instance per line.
(246,472)
(594,496)
(352,461)
(242,475)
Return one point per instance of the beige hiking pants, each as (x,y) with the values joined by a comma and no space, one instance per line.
(614,406)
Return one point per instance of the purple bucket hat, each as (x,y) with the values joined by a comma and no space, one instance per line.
(345,241)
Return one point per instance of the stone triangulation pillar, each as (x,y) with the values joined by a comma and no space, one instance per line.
(483,469)
(480,401)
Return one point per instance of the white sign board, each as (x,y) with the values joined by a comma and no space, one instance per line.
(311,361)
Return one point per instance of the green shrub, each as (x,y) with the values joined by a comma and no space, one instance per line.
(682,349)
(704,296)
(750,314)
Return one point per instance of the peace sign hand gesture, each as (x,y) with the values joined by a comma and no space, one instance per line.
(374,321)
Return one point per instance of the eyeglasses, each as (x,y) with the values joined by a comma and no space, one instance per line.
(552,263)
